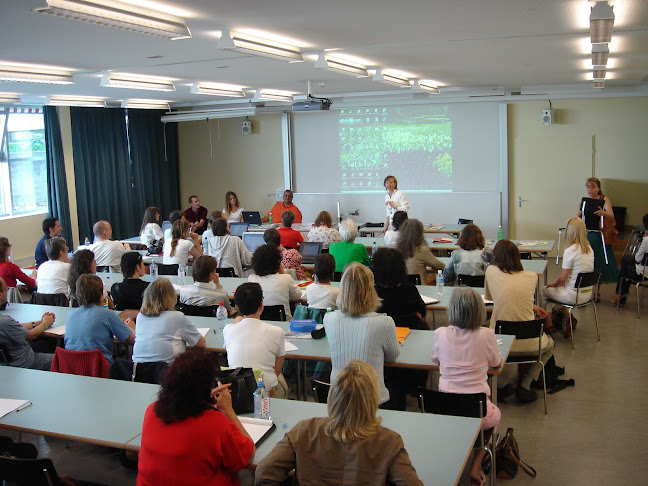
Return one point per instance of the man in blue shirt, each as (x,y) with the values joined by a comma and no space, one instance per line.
(51,227)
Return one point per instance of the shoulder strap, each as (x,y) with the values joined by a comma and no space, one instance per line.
(523,465)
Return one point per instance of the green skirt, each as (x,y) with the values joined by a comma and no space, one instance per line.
(609,271)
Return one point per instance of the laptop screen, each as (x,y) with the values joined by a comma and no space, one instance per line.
(252,217)
(310,250)
(237,229)
(253,240)
(166,225)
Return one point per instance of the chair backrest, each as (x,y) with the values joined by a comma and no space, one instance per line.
(14,295)
(197,310)
(414,278)
(521,329)
(103,269)
(412,320)
(337,276)
(126,370)
(59,300)
(320,391)
(464,221)
(167,269)
(470,280)
(456,404)
(588,279)
(273,313)
(226,272)
(85,363)
(28,472)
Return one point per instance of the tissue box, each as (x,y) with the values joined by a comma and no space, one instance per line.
(303,325)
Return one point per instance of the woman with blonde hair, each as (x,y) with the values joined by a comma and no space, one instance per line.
(356,330)
(415,250)
(323,230)
(232,211)
(578,258)
(347,447)
(162,332)
(178,248)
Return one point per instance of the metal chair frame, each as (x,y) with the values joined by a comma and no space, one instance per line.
(470,280)
(642,282)
(319,388)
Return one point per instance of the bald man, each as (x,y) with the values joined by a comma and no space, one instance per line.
(107,253)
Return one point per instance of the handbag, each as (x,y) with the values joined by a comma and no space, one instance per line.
(154,248)
(243,386)
(507,458)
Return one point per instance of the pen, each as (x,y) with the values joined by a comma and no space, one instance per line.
(23,407)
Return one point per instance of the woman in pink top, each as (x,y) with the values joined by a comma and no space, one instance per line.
(465,350)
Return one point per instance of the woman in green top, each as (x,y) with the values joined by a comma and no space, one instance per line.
(346,251)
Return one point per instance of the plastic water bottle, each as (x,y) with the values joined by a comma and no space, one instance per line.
(86,242)
(261,402)
(153,270)
(440,282)
(221,315)
(270,219)
(181,273)
(500,234)
(373,249)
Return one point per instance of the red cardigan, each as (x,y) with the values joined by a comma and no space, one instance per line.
(11,272)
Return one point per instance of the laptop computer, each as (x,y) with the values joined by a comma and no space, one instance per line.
(166,225)
(309,251)
(252,217)
(253,240)
(237,229)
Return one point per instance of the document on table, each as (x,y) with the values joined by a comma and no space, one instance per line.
(486,301)
(258,429)
(203,330)
(58,330)
(8,405)
(429,300)
(290,346)
(532,243)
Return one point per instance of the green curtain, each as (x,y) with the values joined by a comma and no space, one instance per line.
(102,171)
(154,161)
(57,191)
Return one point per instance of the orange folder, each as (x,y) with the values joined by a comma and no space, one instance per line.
(402,333)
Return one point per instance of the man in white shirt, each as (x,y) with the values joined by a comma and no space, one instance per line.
(107,253)
(53,274)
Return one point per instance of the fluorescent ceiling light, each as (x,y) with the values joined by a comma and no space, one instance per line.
(205,89)
(9,98)
(600,54)
(392,78)
(149,104)
(262,95)
(131,81)
(120,15)
(234,41)
(337,64)
(61,100)
(598,84)
(601,22)
(426,86)
(34,74)
(598,73)
(207,114)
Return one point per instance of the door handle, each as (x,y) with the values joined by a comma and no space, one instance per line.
(520,201)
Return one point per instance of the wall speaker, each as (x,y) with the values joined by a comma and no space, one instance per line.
(246,127)
(547,116)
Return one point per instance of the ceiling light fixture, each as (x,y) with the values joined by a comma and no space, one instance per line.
(337,64)
(9,98)
(598,73)
(120,15)
(600,54)
(34,74)
(132,81)
(205,89)
(64,100)
(425,86)
(146,104)
(599,84)
(601,22)
(234,41)
(262,95)
(395,79)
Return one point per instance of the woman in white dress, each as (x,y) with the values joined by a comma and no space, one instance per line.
(150,230)
(179,247)
(395,200)
(232,211)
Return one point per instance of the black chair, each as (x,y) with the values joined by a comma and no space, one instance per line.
(273,313)
(167,269)
(459,405)
(337,276)
(640,281)
(34,472)
(198,310)
(126,370)
(470,280)
(525,330)
(103,269)
(226,272)
(414,278)
(464,221)
(58,300)
(586,284)
(320,390)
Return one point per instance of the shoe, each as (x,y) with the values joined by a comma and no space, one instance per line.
(525,396)
(505,392)
(569,329)
(557,318)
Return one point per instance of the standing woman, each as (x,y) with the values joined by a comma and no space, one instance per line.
(610,270)
(179,247)
(395,200)
(232,211)
(150,230)
(415,250)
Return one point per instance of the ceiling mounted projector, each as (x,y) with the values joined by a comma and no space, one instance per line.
(313,104)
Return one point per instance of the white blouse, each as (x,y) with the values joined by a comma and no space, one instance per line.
(234,216)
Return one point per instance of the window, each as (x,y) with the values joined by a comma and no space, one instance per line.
(23,165)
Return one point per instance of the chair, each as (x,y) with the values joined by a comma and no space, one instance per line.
(641,281)
(411,320)
(414,278)
(337,276)
(525,330)
(320,391)
(458,405)
(126,370)
(84,363)
(167,269)
(58,300)
(464,221)
(4,355)
(198,310)
(273,313)
(14,295)
(34,472)
(470,280)
(226,272)
(585,283)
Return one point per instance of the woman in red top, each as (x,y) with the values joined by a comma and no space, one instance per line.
(290,238)
(11,272)
(191,435)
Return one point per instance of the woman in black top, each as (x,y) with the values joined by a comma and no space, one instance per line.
(128,294)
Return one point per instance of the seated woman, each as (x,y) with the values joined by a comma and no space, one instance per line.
(206,290)
(10,272)
(512,290)
(232,212)
(347,447)
(416,251)
(321,294)
(178,248)
(91,326)
(346,251)
(228,250)
(82,263)
(470,258)
(278,287)
(128,294)
(356,331)
(323,231)
(150,230)
(289,237)
(162,332)
(578,258)
(289,258)
(464,351)
(252,343)
(391,236)
(191,435)
(174,216)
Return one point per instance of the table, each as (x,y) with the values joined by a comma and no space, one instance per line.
(438,228)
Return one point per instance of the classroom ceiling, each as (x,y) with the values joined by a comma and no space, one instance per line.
(475,47)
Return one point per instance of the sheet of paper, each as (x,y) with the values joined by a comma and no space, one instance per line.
(58,330)
(203,330)
(256,427)
(429,300)
(8,405)
(303,294)
(486,301)
(290,346)
(176,287)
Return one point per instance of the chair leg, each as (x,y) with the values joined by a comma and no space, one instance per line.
(598,336)
(571,328)
(638,306)
(544,385)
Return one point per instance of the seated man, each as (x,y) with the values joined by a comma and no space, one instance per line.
(289,237)
(53,274)
(631,267)
(107,253)
(206,289)
(51,227)
(14,337)
(282,206)
(128,294)
(196,215)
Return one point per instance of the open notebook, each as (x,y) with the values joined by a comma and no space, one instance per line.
(258,429)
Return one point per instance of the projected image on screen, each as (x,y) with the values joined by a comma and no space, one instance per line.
(414,143)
